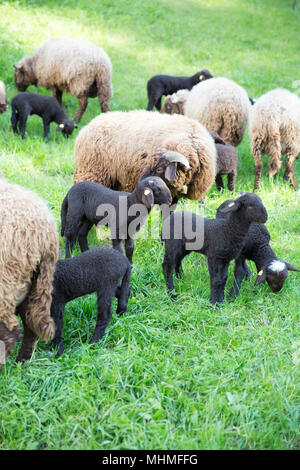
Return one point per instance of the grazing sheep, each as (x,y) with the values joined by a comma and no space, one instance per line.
(256,247)
(47,107)
(3,99)
(220,104)
(174,104)
(227,162)
(116,149)
(99,270)
(275,130)
(220,240)
(81,209)
(28,253)
(68,65)
(160,85)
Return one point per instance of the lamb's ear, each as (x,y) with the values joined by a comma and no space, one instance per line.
(170,172)
(290,267)
(60,127)
(148,197)
(231,207)
(261,277)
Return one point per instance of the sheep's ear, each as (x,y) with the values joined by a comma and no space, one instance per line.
(290,267)
(18,67)
(231,207)
(170,173)
(261,277)
(148,197)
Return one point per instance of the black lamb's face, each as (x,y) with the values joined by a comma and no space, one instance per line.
(276,275)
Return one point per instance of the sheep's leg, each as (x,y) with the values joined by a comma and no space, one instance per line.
(231,181)
(82,235)
(129,248)
(22,124)
(240,271)
(46,128)
(69,246)
(57,94)
(289,170)
(178,269)
(154,99)
(274,162)
(14,120)
(158,104)
(29,337)
(105,298)
(57,313)
(9,337)
(168,267)
(219,182)
(258,168)
(218,271)
(83,102)
(124,292)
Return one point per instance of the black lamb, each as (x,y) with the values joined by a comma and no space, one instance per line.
(99,270)
(256,247)
(160,85)
(88,203)
(220,240)
(47,107)
(227,162)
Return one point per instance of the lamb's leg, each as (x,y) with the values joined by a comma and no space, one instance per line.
(57,313)
(218,271)
(219,182)
(29,337)
(158,104)
(154,99)
(168,267)
(231,181)
(22,124)
(46,128)
(240,271)
(9,336)
(129,248)
(82,235)
(105,297)
(289,170)
(178,269)
(124,292)
(83,102)
(14,120)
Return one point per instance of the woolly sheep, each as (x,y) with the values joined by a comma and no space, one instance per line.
(47,107)
(275,130)
(160,85)
(116,149)
(80,211)
(28,253)
(3,99)
(99,270)
(220,240)
(68,65)
(220,104)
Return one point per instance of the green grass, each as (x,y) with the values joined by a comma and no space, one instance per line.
(169,375)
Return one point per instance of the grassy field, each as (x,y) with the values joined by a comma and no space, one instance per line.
(167,375)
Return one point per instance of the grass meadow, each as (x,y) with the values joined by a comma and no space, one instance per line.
(167,375)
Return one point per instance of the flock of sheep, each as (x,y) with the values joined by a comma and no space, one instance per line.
(146,158)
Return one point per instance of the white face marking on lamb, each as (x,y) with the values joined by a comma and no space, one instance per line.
(277,266)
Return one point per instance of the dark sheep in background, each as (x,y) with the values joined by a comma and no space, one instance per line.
(100,270)
(47,107)
(227,162)
(160,85)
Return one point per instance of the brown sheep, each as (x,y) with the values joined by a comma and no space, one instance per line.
(116,149)
(71,66)
(28,253)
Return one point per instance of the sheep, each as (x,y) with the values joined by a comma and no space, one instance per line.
(256,247)
(68,65)
(220,104)
(28,253)
(81,209)
(275,130)
(116,149)
(227,162)
(220,240)
(47,107)
(160,85)
(99,270)
(3,99)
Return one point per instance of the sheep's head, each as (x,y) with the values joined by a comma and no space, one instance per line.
(24,75)
(275,273)
(203,75)
(217,138)
(251,205)
(66,127)
(153,190)
(174,104)
(173,168)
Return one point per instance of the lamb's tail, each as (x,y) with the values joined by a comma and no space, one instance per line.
(124,292)
(39,300)
(63,215)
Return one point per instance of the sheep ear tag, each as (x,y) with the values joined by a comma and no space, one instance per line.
(170,173)
(148,198)
(200,77)
(261,277)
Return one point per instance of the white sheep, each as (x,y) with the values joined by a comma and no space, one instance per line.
(220,104)
(68,65)
(275,130)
